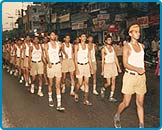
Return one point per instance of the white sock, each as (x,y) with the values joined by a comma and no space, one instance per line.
(94,87)
(72,89)
(50,96)
(40,89)
(58,100)
(111,94)
(32,85)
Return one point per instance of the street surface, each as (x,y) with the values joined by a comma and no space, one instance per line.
(22,109)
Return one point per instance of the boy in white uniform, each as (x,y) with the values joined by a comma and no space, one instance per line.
(52,50)
(68,64)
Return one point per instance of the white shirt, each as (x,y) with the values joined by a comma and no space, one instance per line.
(17,51)
(27,48)
(53,53)
(22,55)
(110,56)
(68,51)
(82,54)
(136,58)
(36,54)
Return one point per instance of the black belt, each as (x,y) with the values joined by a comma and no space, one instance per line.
(55,63)
(36,61)
(18,57)
(130,72)
(27,56)
(82,63)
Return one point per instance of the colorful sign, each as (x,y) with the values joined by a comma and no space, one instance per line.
(143,21)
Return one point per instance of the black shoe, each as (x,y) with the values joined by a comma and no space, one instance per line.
(102,93)
(141,125)
(111,99)
(86,102)
(117,123)
(59,108)
(76,98)
(51,103)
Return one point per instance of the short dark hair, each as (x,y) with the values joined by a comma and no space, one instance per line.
(52,32)
(27,35)
(108,36)
(67,35)
(90,36)
(83,33)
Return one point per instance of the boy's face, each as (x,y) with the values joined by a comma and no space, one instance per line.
(53,36)
(36,40)
(83,37)
(109,41)
(67,39)
(90,39)
(27,38)
(135,34)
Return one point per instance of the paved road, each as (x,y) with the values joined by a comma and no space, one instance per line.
(26,110)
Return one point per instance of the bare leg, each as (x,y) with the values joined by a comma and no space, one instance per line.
(104,88)
(112,90)
(72,83)
(80,81)
(50,84)
(94,84)
(124,104)
(140,109)
(32,84)
(107,83)
(63,82)
(45,74)
(58,94)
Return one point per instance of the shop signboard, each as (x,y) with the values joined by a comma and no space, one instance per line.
(154,19)
(103,16)
(120,17)
(79,25)
(64,18)
(143,21)
(101,24)
(79,17)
